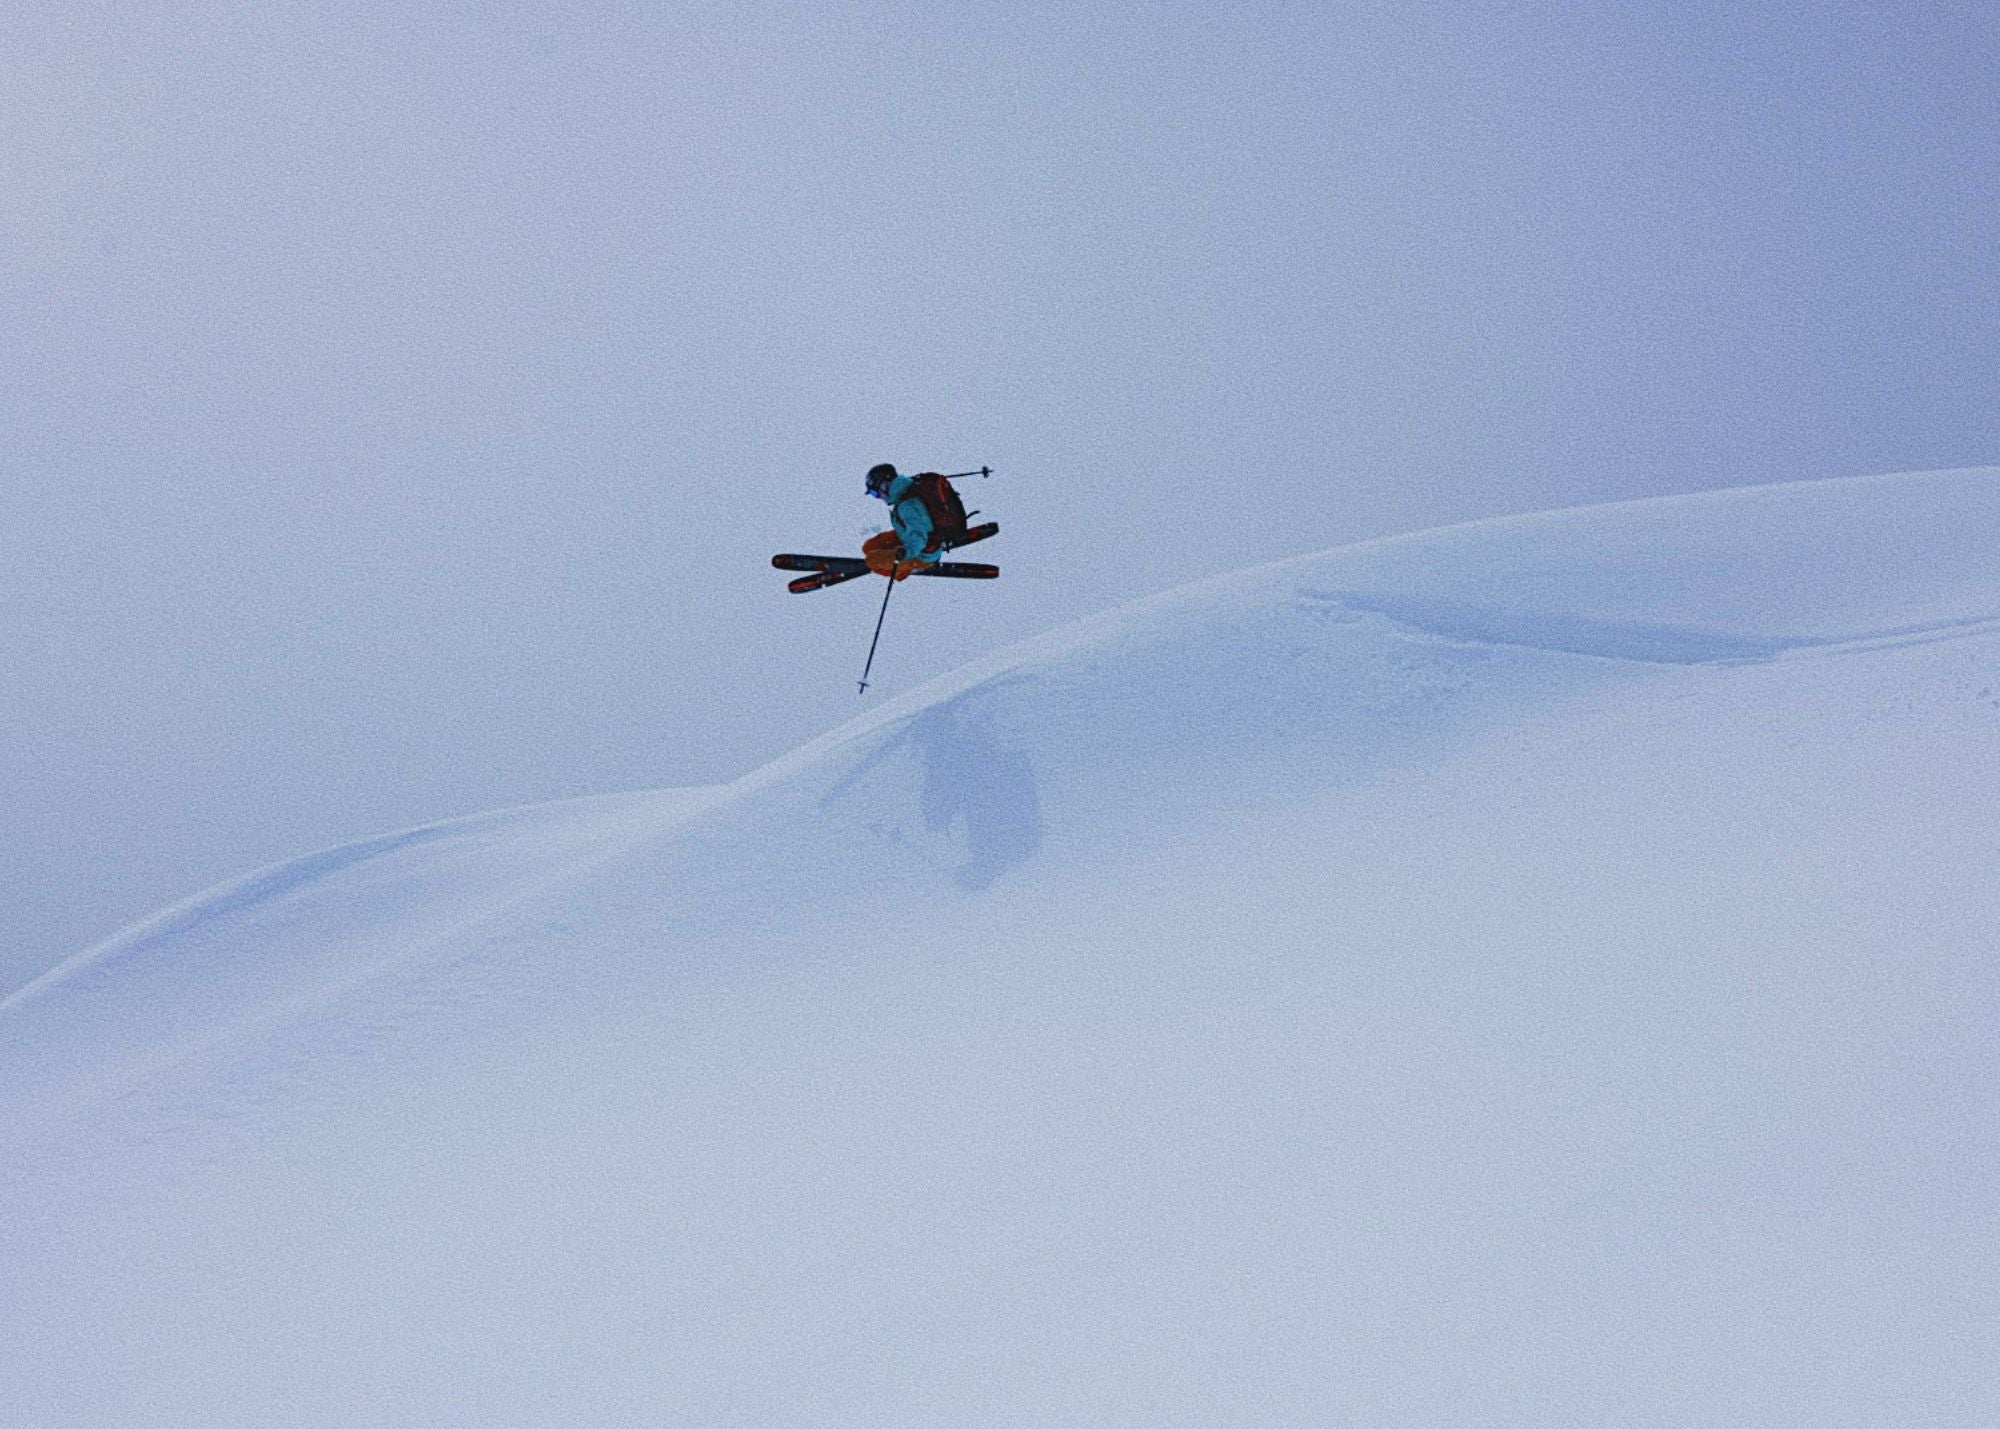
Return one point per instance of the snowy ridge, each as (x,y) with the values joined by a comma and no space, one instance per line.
(1830,555)
(1537,971)
(1309,673)
(574,820)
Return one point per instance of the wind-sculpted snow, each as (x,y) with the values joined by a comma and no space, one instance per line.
(1642,641)
(974,784)
(1567,634)
(1532,972)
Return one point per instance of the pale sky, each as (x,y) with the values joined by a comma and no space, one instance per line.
(400,403)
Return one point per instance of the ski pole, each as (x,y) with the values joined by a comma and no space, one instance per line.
(955,475)
(878,634)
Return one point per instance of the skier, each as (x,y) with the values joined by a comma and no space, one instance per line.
(928,519)
(927,516)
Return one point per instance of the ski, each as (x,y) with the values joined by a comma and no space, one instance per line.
(823,571)
(848,565)
(951,570)
(975,533)
(820,580)
(791,562)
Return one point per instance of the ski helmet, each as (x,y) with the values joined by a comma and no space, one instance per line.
(879,477)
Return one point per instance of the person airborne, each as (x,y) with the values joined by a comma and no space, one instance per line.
(925,514)
(926,520)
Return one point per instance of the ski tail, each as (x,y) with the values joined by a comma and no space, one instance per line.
(820,580)
(820,563)
(974,533)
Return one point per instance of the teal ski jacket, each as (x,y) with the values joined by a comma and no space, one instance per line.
(910,517)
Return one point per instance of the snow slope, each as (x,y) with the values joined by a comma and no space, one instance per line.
(1537,972)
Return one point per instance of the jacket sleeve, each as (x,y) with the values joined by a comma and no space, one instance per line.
(912,520)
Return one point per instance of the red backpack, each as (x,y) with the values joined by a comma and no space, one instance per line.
(947,512)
